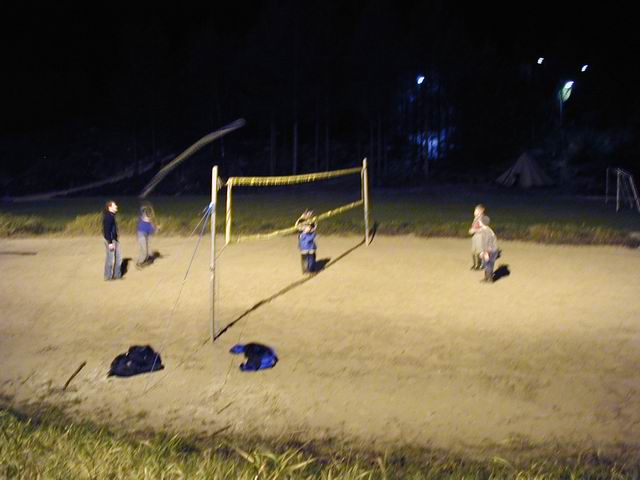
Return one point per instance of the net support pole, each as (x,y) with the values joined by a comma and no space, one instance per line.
(365,201)
(212,278)
(227,230)
(634,191)
(617,190)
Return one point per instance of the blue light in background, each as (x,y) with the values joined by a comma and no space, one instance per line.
(420,79)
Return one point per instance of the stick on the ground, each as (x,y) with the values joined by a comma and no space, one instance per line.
(73,375)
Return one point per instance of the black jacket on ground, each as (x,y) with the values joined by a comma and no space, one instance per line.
(109,227)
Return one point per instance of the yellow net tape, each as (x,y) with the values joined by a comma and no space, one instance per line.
(289,179)
(287,231)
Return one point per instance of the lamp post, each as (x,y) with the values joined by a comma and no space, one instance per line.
(418,128)
(563,95)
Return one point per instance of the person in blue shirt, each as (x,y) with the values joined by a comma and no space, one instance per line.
(307,226)
(144,230)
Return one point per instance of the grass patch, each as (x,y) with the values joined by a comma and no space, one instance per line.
(89,224)
(21,225)
(48,446)
(537,217)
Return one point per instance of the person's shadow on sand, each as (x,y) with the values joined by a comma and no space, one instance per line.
(124,268)
(500,272)
(320,264)
(150,259)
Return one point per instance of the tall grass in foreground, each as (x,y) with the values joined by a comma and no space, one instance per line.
(52,448)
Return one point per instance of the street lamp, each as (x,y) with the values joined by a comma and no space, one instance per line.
(565,91)
(540,60)
(563,95)
(420,79)
(584,68)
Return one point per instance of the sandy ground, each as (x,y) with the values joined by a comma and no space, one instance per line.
(391,344)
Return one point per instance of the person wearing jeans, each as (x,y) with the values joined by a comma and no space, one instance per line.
(144,229)
(113,260)
(307,246)
(476,240)
(489,249)
(307,226)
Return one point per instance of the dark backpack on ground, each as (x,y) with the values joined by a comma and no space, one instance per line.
(137,360)
(258,356)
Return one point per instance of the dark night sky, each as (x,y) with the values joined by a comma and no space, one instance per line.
(124,68)
(72,62)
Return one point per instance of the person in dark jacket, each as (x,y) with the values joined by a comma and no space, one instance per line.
(113,261)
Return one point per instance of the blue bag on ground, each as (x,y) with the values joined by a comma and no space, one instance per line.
(258,356)
(137,360)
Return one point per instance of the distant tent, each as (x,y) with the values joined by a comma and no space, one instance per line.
(525,173)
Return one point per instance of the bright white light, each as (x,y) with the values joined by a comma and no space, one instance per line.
(540,60)
(565,91)
(420,79)
(584,68)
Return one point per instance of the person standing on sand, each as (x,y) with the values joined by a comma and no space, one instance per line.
(489,249)
(144,230)
(307,226)
(475,230)
(113,260)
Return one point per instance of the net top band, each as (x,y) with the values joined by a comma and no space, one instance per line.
(289,179)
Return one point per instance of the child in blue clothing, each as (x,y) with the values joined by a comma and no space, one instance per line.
(307,226)
(144,230)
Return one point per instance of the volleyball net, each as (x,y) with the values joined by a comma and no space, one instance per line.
(217,184)
(279,181)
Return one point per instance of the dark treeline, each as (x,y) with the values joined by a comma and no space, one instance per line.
(425,90)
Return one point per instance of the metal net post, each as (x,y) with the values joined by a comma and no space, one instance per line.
(227,235)
(365,199)
(212,279)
